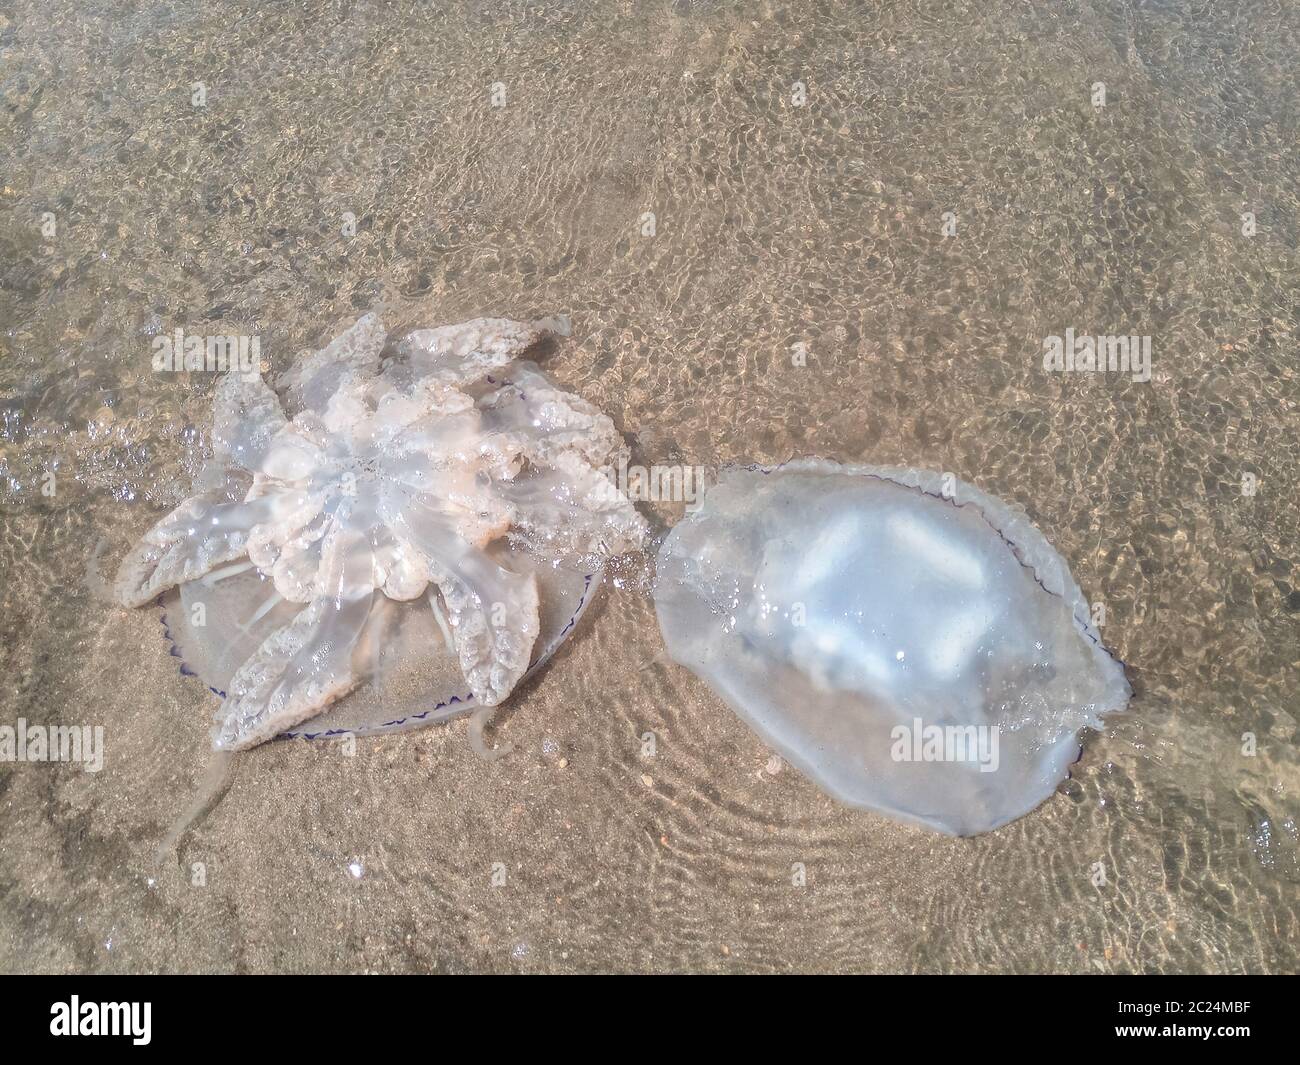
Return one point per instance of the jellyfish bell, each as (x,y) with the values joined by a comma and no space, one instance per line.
(409,669)
(913,645)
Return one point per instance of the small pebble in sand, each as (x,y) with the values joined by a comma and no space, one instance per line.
(647,780)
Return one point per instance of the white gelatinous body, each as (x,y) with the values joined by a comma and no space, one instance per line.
(912,644)
(392,480)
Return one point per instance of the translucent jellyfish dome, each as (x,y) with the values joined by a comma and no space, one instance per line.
(913,645)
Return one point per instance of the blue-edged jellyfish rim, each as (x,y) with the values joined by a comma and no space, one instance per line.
(444,710)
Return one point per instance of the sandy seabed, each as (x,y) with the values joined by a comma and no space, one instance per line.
(781,217)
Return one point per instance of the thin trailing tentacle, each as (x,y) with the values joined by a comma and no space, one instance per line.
(441,619)
(216,779)
(216,576)
(478,721)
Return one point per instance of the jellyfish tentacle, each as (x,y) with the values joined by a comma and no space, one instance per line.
(441,619)
(216,576)
(464,353)
(199,535)
(550,426)
(478,721)
(575,510)
(315,378)
(246,418)
(308,663)
(569,497)
(494,612)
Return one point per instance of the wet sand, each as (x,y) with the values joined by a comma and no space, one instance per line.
(776,223)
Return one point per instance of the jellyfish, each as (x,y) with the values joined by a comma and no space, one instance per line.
(911,644)
(431,512)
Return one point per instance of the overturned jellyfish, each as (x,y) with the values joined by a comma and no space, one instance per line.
(913,645)
(399,536)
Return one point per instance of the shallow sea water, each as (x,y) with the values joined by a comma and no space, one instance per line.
(777,223)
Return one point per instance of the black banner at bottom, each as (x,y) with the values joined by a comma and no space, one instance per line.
(332,1014)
